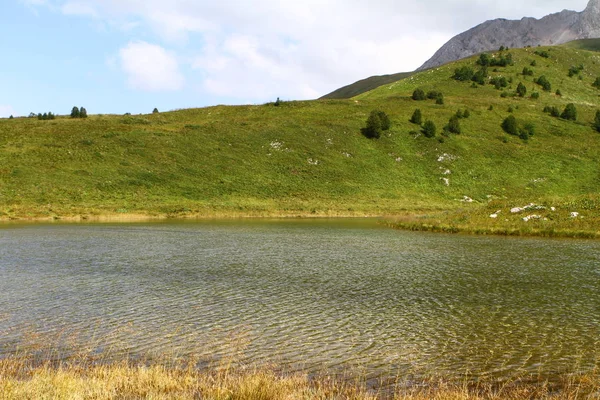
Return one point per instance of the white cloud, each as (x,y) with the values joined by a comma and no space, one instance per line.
(255,50)
(150,67)
(6,111)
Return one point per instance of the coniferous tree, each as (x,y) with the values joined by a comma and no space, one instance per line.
(429,129)
(82,113)
(521,90)
(155,111)
(417,117)
(510,125)
(453,125)
(75,112)
(570,112)
(418,95)
(374,126)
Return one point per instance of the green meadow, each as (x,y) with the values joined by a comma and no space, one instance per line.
(309,158)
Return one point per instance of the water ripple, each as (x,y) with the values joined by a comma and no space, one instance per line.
(309,295)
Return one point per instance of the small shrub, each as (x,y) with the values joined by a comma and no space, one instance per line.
(466,114)
(418,95)
(527,71)
(386,124)
(511,109)
(453,125)
(499,82)
(509,125)
(463,74)
(377,122)
(544,83)
(440,99)
(417,117)
(484,60)
(569,113)
(155,111)
(558,92)
(521,90)
(596,83)
(533,63)
(480,76)
(11,117)
(277,102)
(542,53)
(491,108)
(432,94)
(429,129)
(535,95)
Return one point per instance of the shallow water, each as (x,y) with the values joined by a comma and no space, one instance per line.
(315,295)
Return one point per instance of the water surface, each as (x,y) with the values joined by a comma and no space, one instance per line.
(307,294)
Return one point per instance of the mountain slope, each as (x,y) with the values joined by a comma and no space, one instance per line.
(551,30)
(365,85)
(309,158)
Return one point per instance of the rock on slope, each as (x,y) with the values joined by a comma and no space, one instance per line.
(553,29)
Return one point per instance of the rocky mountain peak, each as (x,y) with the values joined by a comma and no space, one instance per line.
(553,29)
(593,7)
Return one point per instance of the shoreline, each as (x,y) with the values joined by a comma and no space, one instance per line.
(432,221)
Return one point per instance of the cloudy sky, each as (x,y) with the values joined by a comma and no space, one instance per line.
(117,56)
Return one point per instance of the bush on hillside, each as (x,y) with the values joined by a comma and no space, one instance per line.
(544,83)
(596,83)
(484,60)
(509,125)
(535,95)
(429,129)
(433,94)
(440,99)
(453,125)
(542,53)
(499,82)
(480,76)
(155,111)
(553,111)
(418,95)
(377,122)
(521,90)
(527,71)
(417,117)
(570,112)
(575,70)
(463,74)
(386,124)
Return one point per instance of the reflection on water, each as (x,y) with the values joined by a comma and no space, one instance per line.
(345,294)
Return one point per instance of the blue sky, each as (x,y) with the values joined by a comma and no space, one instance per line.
(117,56)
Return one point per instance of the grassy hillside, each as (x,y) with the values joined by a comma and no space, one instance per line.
(309,158)
(365,85)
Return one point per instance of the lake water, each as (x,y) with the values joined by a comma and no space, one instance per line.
(312,295)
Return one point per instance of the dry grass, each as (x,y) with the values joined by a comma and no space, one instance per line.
(20,378)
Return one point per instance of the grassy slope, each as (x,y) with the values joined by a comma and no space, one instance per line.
(259,160)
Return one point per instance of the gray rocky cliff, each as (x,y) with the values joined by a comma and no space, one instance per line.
(553,29)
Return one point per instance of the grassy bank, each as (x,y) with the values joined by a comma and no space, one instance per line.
(19,380)
(564,217)
(309,158)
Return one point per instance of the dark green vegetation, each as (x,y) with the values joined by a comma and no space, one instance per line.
(310,158)
(365,85)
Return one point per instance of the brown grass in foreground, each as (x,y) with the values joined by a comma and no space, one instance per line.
(20,379)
